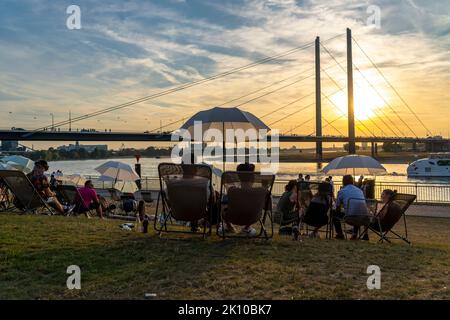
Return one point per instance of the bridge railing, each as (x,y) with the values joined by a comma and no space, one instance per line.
(427,193)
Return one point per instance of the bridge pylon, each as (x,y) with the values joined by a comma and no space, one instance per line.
(351,110)
(319,149)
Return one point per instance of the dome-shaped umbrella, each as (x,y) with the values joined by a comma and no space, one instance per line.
(118,171)
(120,185)
(75,179)
(355,165)
(223,119)
(19,162)
(5,166)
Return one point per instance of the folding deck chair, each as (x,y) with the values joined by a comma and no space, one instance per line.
(27,198)
(116,199)
(5,199)
(68,195)
(364,216)
(149,196)
(317,214)
(391,216)
(245,199)
(186,195)
(304,197)
(286,222)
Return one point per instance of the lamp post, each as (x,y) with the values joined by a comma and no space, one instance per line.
(53,121)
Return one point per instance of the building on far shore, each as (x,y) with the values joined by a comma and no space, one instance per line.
(88,148)
(437,146)
(10,146)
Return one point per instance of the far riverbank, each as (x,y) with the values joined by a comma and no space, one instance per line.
(383,157)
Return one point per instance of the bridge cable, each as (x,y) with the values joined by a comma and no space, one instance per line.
(393,88)
(183,87)
(381,110)
(291,114)
(342,68)
(258,97)
(275,83)
(388,104)
(177,89)
(360,122)
(381,119)
(329,124)
(300,125)
(253,92)
(286,105)
(266,87)
(297,111)
(273,91)
(342,88)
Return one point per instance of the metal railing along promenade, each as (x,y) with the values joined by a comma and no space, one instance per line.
(427,193)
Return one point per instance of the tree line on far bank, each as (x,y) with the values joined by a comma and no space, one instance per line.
(53,154)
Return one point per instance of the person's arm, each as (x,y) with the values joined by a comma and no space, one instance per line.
(339,199)
(95,197)
(46,187)
(294,199)
(48,192)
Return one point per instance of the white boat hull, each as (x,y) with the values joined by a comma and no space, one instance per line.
(429,168)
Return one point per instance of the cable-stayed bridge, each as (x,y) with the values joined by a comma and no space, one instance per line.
(388,120)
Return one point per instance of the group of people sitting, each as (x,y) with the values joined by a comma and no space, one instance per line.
(350,202)
(297,204)
(226,226)
(87,198)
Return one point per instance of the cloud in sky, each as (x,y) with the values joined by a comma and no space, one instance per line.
(129,49)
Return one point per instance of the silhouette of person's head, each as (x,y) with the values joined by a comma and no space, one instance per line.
(347,180)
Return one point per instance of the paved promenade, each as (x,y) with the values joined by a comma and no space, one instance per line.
(429,211)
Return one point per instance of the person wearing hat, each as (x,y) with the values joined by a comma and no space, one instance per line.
(42,186)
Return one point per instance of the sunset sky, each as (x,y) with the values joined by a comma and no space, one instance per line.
(130,49)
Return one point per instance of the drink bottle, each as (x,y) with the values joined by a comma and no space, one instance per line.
(145,224)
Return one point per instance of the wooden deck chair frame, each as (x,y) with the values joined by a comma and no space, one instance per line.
(408,199)
(190,175)
(237,179)
(30,199)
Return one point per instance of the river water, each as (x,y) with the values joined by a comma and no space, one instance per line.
(396,172)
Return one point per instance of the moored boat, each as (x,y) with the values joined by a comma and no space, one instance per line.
(436,165)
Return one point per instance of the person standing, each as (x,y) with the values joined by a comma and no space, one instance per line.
(360,182)
(330,180)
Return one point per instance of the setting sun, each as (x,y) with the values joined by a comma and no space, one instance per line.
(366,103)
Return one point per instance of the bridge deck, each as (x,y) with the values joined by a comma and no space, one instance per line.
(6,135)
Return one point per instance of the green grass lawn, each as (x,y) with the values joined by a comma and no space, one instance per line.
(35,252)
